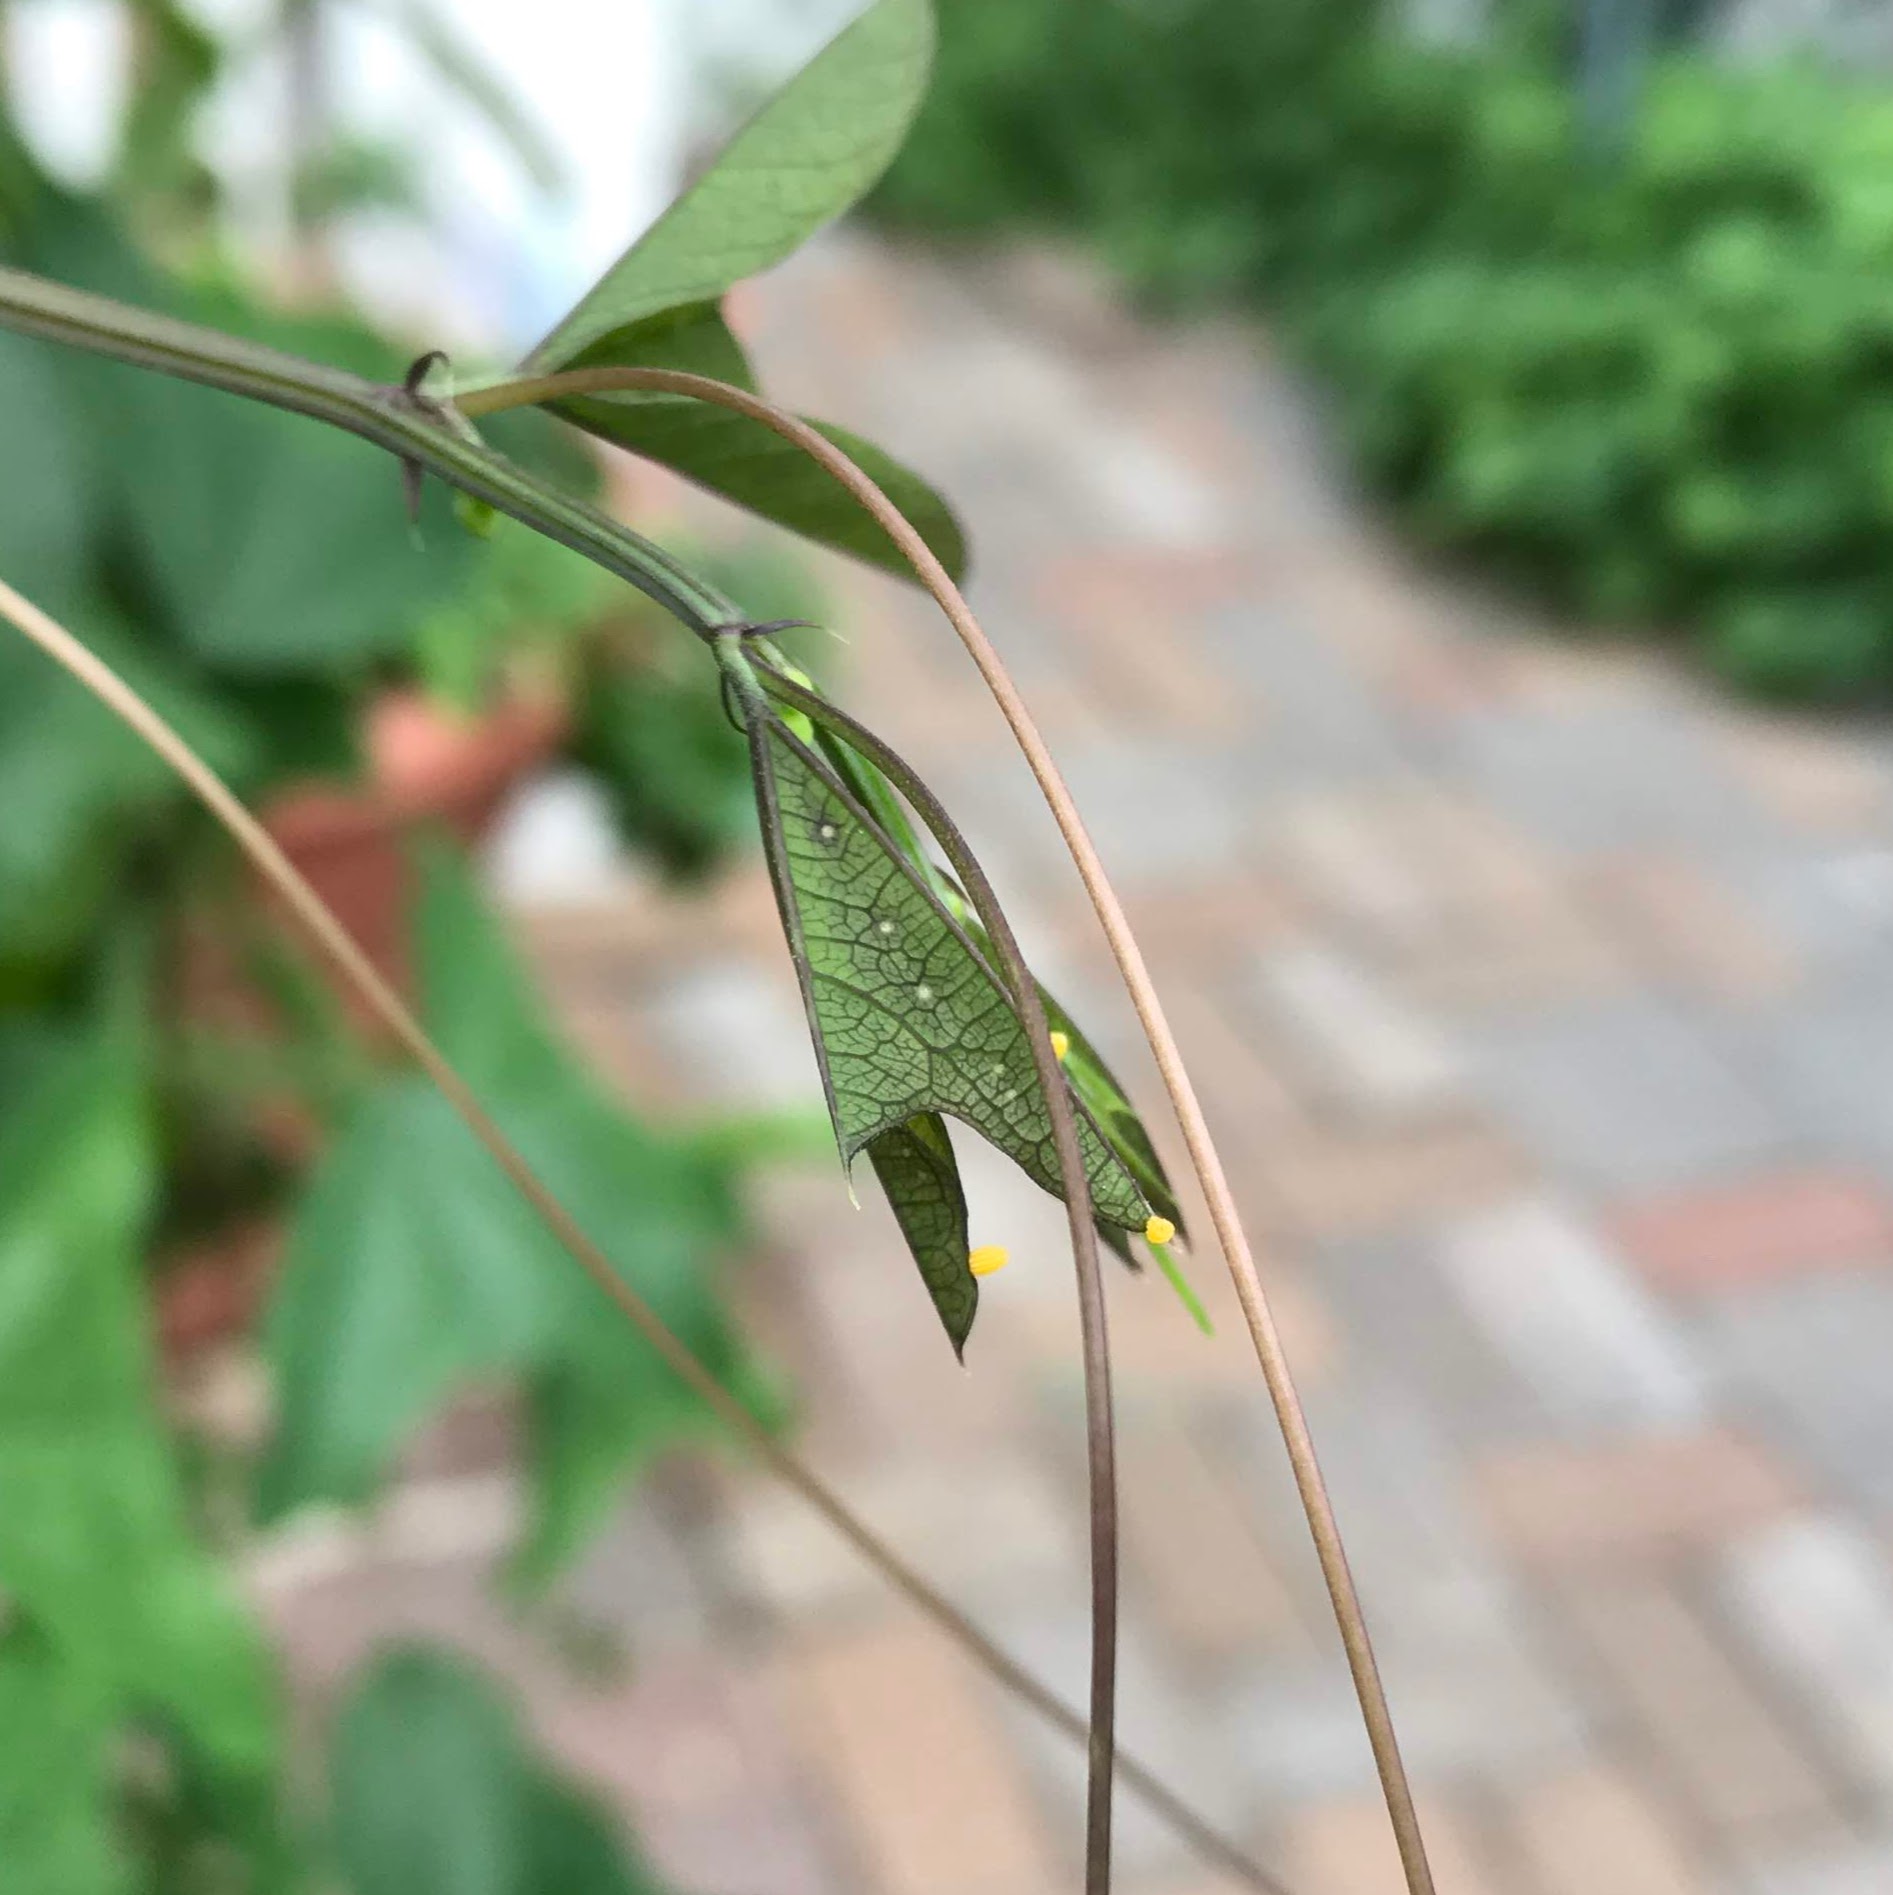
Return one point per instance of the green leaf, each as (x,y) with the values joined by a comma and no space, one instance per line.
(238,513)
(665,754)
(45,522)
(56,1832)
(415,1268)
(907,1015)
(576,1848)
(435,1793)
(1108,1103)
(95,1548)
(1091,1079)
(80,790)
(740,459)
(798,164)
(921,1177)
(430,1791)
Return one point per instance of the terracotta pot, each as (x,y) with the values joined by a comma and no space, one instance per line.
(214,1290)
(429,771)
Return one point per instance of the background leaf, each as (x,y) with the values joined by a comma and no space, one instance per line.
(81,792)
(96,1554)
(798,164)
(240,530)
(44,527)
(55,1786)
(415,1268)
(435,1793)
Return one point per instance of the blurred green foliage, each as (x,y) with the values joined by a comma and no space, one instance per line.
(1653,385)
(258,580)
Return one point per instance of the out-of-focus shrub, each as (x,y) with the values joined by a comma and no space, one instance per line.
(1655,384)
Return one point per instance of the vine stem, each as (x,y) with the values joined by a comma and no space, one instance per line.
(342,952)
(1207,1163)
(1100,1434)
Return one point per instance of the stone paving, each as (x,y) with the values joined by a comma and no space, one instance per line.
(1543,1004)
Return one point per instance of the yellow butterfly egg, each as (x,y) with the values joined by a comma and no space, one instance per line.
(1061,1044)
(1159,1230)
(987,1258)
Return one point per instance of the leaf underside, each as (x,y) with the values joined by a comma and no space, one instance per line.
(907,1017)
(1097,1087)
(917,1170)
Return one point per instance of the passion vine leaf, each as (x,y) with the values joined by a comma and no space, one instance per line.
(921,1177)
(908,1017)
(738,458)
(798,164)
(842,740)
(866,765)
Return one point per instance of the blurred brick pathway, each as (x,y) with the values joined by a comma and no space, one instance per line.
(1544,1006)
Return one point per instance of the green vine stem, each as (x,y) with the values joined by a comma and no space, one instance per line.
(335,944)
(419,431)
(1310,1484)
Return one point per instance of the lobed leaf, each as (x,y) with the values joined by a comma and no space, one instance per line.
(859,761)
(415,1268)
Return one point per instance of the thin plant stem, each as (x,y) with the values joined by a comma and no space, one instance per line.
(1100,1435)
(1310,1484)
(418,431)
(335,944)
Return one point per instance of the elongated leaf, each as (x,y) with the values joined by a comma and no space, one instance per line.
(741,460)
(798,164)
(917,1170)
(907,1015)
(1108,1103)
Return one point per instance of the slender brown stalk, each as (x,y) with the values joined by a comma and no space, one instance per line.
(333,941)
(1204,1158)
(1100,1433)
